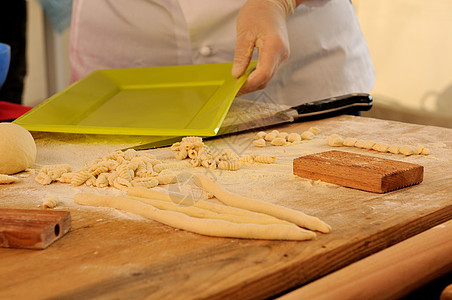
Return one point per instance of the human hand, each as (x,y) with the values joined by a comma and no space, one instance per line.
(261,24)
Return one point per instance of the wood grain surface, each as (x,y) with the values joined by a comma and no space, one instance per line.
(108,254)
(389,274)
(32,228)
(364,172)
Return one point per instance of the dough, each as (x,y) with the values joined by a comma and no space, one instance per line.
(280,212)
(307,135)
(406,150)
(380,147)
(17,149)
(335,140)
(350,142)
(211,227)
(6,179)
(186,201)
(259,143)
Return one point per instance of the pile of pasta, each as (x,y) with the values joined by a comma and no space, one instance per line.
(335,140)
(236,216)
(200,155)
(118,169)
(276,138)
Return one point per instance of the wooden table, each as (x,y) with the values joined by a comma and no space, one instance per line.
(116,255)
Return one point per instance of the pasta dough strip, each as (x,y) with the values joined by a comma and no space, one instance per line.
(280,212)
(218,208)
(207,214)
(209,227)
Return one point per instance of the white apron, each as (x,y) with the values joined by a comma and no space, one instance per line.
(329,56)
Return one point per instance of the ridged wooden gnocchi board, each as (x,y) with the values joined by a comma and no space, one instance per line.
(364,172)
(31,228)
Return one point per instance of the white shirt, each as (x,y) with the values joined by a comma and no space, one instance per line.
(329,56)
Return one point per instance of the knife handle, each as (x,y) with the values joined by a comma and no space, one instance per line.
(333,106)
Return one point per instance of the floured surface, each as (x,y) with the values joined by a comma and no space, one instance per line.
(113,253)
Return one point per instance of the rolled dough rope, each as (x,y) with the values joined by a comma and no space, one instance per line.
(209,227)
(141,192)
(206,214)
(280,212)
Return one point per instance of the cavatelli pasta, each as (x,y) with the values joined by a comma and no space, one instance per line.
(264,159)
(229,165)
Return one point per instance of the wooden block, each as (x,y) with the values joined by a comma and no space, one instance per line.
(358,171)
(33,229)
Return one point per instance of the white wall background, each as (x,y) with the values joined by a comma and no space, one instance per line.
(411,46)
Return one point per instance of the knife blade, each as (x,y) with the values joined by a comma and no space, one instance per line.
(314,110)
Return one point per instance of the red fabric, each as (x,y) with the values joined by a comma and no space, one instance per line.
(11,111)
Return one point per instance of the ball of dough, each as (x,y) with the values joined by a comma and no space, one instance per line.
(17,148)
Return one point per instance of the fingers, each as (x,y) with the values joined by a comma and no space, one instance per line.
(260,25)
(272,52)
(243,53)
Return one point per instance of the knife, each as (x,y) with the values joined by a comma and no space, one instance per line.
(314,110)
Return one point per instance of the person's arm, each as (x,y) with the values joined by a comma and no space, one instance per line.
(261,24)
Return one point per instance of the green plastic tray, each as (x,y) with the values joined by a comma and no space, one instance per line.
(158,101)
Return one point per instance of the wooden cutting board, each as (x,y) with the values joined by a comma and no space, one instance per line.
(31,228)
(364,172)
(111,254)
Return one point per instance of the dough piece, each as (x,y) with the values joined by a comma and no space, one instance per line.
(360,144)
(418,149)
(180,155)
(335,140)
(380,147)
(315,130)
(192,153)
(278,141)
(425,151)
(209,164)
(167,178)
(130,154)
(80,178)
(229,165)
(259,143)
(17,149)
(270,136)
(65,178)
(394,149)
(184,200)
(196,162)
(283,135)
(147,182)
(197,212)
(307,135)
(6,179)
(160,167)
(192,139)
(210,227)
(51,201)
(247,159)
(98,168)
(293,137)
(369,144)
(50,173)
(102,180)
(263,159)
(260,135)
(350,142)
(277,211)
(406,150)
